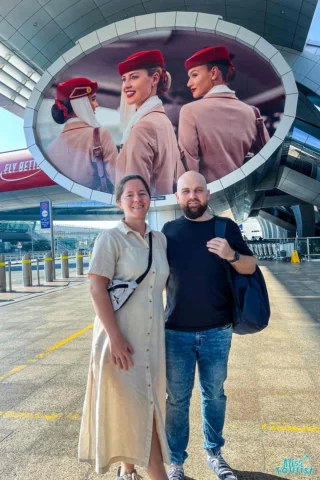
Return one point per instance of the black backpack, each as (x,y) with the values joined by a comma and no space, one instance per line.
(251,307)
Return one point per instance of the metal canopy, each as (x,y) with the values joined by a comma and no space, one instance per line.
(42,30)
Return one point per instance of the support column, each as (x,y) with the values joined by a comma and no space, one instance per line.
(305,220)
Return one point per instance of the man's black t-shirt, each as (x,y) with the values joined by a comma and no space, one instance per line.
(198,294)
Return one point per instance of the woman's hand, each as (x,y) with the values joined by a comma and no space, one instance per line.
(121,351)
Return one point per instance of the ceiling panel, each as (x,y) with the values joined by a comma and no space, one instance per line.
(50,25)
(295,4)
(29,50)
(55,7)
(35,23)
(22,12)
(45,35)
(114,6)
(6,7)
(6,29)
(55,45)
(245,13)
(84,23)
(17,40)
(74,13)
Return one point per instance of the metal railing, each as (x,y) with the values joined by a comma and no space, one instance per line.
(308,248)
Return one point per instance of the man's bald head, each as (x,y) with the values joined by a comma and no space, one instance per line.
(191,179)
(193,195)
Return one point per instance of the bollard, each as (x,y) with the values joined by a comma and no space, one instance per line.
(27,270)
(48,267)
(3,282)
(65,264)
(10,277)
(38,272)
(79,258)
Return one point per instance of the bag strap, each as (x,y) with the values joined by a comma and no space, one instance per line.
(98,160)
(183,159)
(143,276)
(260,127)
(220,227)
(220,231)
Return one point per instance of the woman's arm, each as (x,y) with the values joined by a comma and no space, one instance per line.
(188,140)
(120,349)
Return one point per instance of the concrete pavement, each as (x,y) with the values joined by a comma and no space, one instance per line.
(273,386)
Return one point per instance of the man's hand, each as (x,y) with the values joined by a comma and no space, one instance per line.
(221,247)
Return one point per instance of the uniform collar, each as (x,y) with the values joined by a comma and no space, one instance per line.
(221,95)
(157,108)
(123,227)
(220,89)
(75,126)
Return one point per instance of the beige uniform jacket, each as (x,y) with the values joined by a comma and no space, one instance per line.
(71,153)
(120,405)
(151,150)
(216,133)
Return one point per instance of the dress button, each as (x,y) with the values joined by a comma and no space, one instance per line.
(148,333)
(151,403)
(148,367)
(149,385)
(150,318)
(153,273)
(148,350)
(150,301)
(150,286)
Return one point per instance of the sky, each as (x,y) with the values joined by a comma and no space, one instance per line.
(12,134)
(314,32)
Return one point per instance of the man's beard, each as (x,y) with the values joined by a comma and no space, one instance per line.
(195,212)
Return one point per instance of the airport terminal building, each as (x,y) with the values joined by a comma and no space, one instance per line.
(44,43)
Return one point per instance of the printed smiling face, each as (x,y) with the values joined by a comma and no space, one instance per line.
(93,102)
(202,79)
(138,86)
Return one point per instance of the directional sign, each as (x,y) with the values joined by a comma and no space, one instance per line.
(44,215)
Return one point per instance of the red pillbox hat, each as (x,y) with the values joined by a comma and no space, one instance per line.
(145,59)
(208,55)
(76,88)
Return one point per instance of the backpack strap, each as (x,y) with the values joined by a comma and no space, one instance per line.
(260,127)
(220,227)
(106,185)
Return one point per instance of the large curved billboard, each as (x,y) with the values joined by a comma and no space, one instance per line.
(217,132)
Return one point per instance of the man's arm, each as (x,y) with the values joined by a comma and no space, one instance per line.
(220,246)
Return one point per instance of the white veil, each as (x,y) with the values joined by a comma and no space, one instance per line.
(82,108)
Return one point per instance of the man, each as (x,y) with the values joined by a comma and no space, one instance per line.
(217,131)
(198,321)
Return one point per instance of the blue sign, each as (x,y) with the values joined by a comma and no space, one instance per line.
(44,214)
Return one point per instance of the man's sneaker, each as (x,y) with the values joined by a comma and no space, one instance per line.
(133,475)
(176,472)
(220,467)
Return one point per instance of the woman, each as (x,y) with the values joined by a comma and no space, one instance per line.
(83,152)
(217,132)
(149,143)
(124,409)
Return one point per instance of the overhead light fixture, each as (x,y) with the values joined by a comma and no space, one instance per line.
(17,77)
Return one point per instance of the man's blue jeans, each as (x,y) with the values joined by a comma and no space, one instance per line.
(210,350)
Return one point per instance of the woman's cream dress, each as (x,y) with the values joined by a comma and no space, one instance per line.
(120,405)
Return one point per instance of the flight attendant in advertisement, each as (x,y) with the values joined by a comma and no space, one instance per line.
(149,144)
(83,152)
(217,132)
